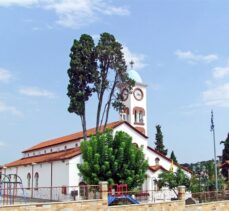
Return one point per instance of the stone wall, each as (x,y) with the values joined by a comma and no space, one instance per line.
(166,206)
(96,205)
(211,206)
(101,205)
(89,205)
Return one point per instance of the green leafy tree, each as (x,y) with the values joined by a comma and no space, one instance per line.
(173,179)
(173,157)
(159,141)
(114,159)
(82,75)
(203,177)
(225,156)
(112,72)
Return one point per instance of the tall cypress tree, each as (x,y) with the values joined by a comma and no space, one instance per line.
(82,75)
(159,141)
(225,155)
(173,157)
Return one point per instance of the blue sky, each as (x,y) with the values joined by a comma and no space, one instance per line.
(179,48)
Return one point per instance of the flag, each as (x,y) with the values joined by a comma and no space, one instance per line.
(212,121)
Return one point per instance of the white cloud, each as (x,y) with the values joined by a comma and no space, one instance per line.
(76,13)
(23,3)
(9,109)
(194,58)
(5,75)
(73,13)
(218,96)
(138,59)
(220,72)
(36,92)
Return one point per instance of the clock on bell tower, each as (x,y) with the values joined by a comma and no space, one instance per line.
(135,102)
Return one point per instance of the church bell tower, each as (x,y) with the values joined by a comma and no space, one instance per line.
(135,102)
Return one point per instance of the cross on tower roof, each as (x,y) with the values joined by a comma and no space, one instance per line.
(131,64)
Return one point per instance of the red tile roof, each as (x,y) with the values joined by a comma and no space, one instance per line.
(170,160)
(156,168)
(61,155)
(77,136)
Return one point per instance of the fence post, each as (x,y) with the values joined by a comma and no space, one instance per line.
(103,190)
(103,185)
(181,193)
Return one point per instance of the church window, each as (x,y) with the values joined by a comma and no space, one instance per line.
(141,117)
(15,178)
(65,147)
(50,150)
(157,160)
(36,177)
(154,184)
(28,180)
(135,116)
(83,190)
(76,145)
(124,117)
(139,114)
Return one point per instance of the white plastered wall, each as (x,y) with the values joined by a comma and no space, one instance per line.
(74,178)
(136,137)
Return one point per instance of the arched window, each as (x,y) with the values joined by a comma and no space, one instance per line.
(139,114)
(83,190)
(28,180)
(157,160)
(36,177)
(155,186)
(123,117)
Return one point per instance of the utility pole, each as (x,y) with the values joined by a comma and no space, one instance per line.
(213,133)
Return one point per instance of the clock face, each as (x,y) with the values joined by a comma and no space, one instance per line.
(124,94)
(138,94)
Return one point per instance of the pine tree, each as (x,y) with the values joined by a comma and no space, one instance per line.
(225,156)
(159,141)
(173,157)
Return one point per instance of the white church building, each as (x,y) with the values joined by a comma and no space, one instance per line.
(53,163)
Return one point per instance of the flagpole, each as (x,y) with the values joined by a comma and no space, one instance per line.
(213,133)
